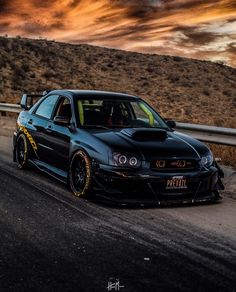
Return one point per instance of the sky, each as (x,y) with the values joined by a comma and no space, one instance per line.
(191,28)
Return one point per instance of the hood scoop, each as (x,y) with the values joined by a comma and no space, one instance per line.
(145,134)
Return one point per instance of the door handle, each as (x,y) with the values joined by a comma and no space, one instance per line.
(49,129)
(30,121)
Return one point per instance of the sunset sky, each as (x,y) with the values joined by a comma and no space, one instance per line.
(191,28)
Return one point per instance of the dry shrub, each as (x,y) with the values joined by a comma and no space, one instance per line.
(186,90)
(227,154)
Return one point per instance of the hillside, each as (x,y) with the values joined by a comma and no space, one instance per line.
(180,88)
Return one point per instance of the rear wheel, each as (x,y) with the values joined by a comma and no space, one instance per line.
(80,174)
(22,151)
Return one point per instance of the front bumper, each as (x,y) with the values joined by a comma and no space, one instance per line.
(149,187)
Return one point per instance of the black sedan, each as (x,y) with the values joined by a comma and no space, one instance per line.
(113,145)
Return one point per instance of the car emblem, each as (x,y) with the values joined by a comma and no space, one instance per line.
(179,163)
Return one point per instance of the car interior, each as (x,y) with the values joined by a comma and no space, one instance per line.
(64,109)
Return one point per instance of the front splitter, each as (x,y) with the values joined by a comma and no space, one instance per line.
(126,202)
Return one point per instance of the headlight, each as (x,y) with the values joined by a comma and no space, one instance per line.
(125,159)
(208,159)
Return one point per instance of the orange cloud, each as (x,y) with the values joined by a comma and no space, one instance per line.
(192,28)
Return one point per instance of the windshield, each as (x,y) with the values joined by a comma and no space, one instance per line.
(114,113)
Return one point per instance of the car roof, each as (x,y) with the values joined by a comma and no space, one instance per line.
(94,94)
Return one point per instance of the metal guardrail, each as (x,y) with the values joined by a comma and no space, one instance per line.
(210,134)
(8,107)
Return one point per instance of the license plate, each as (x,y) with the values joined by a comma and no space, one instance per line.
(176,182)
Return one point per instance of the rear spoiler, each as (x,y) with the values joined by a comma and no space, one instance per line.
(28,100)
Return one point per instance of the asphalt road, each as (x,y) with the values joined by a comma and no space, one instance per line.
(52,241)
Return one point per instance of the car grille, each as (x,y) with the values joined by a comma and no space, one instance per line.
(180,165)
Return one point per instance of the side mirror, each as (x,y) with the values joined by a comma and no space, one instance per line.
(62,121)
(171,123)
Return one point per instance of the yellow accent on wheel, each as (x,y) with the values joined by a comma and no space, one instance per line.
(80,174)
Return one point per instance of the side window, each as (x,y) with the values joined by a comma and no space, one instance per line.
(138,111)
(46,107)
(64,108)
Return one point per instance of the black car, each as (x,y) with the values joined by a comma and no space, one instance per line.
(116,145)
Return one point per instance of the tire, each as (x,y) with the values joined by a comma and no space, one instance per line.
(80,174)
(22,150)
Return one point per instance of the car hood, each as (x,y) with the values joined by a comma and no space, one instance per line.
(153,143)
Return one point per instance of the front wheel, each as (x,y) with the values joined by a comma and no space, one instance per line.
(80,173)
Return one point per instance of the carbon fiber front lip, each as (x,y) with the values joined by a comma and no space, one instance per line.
(174,202)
